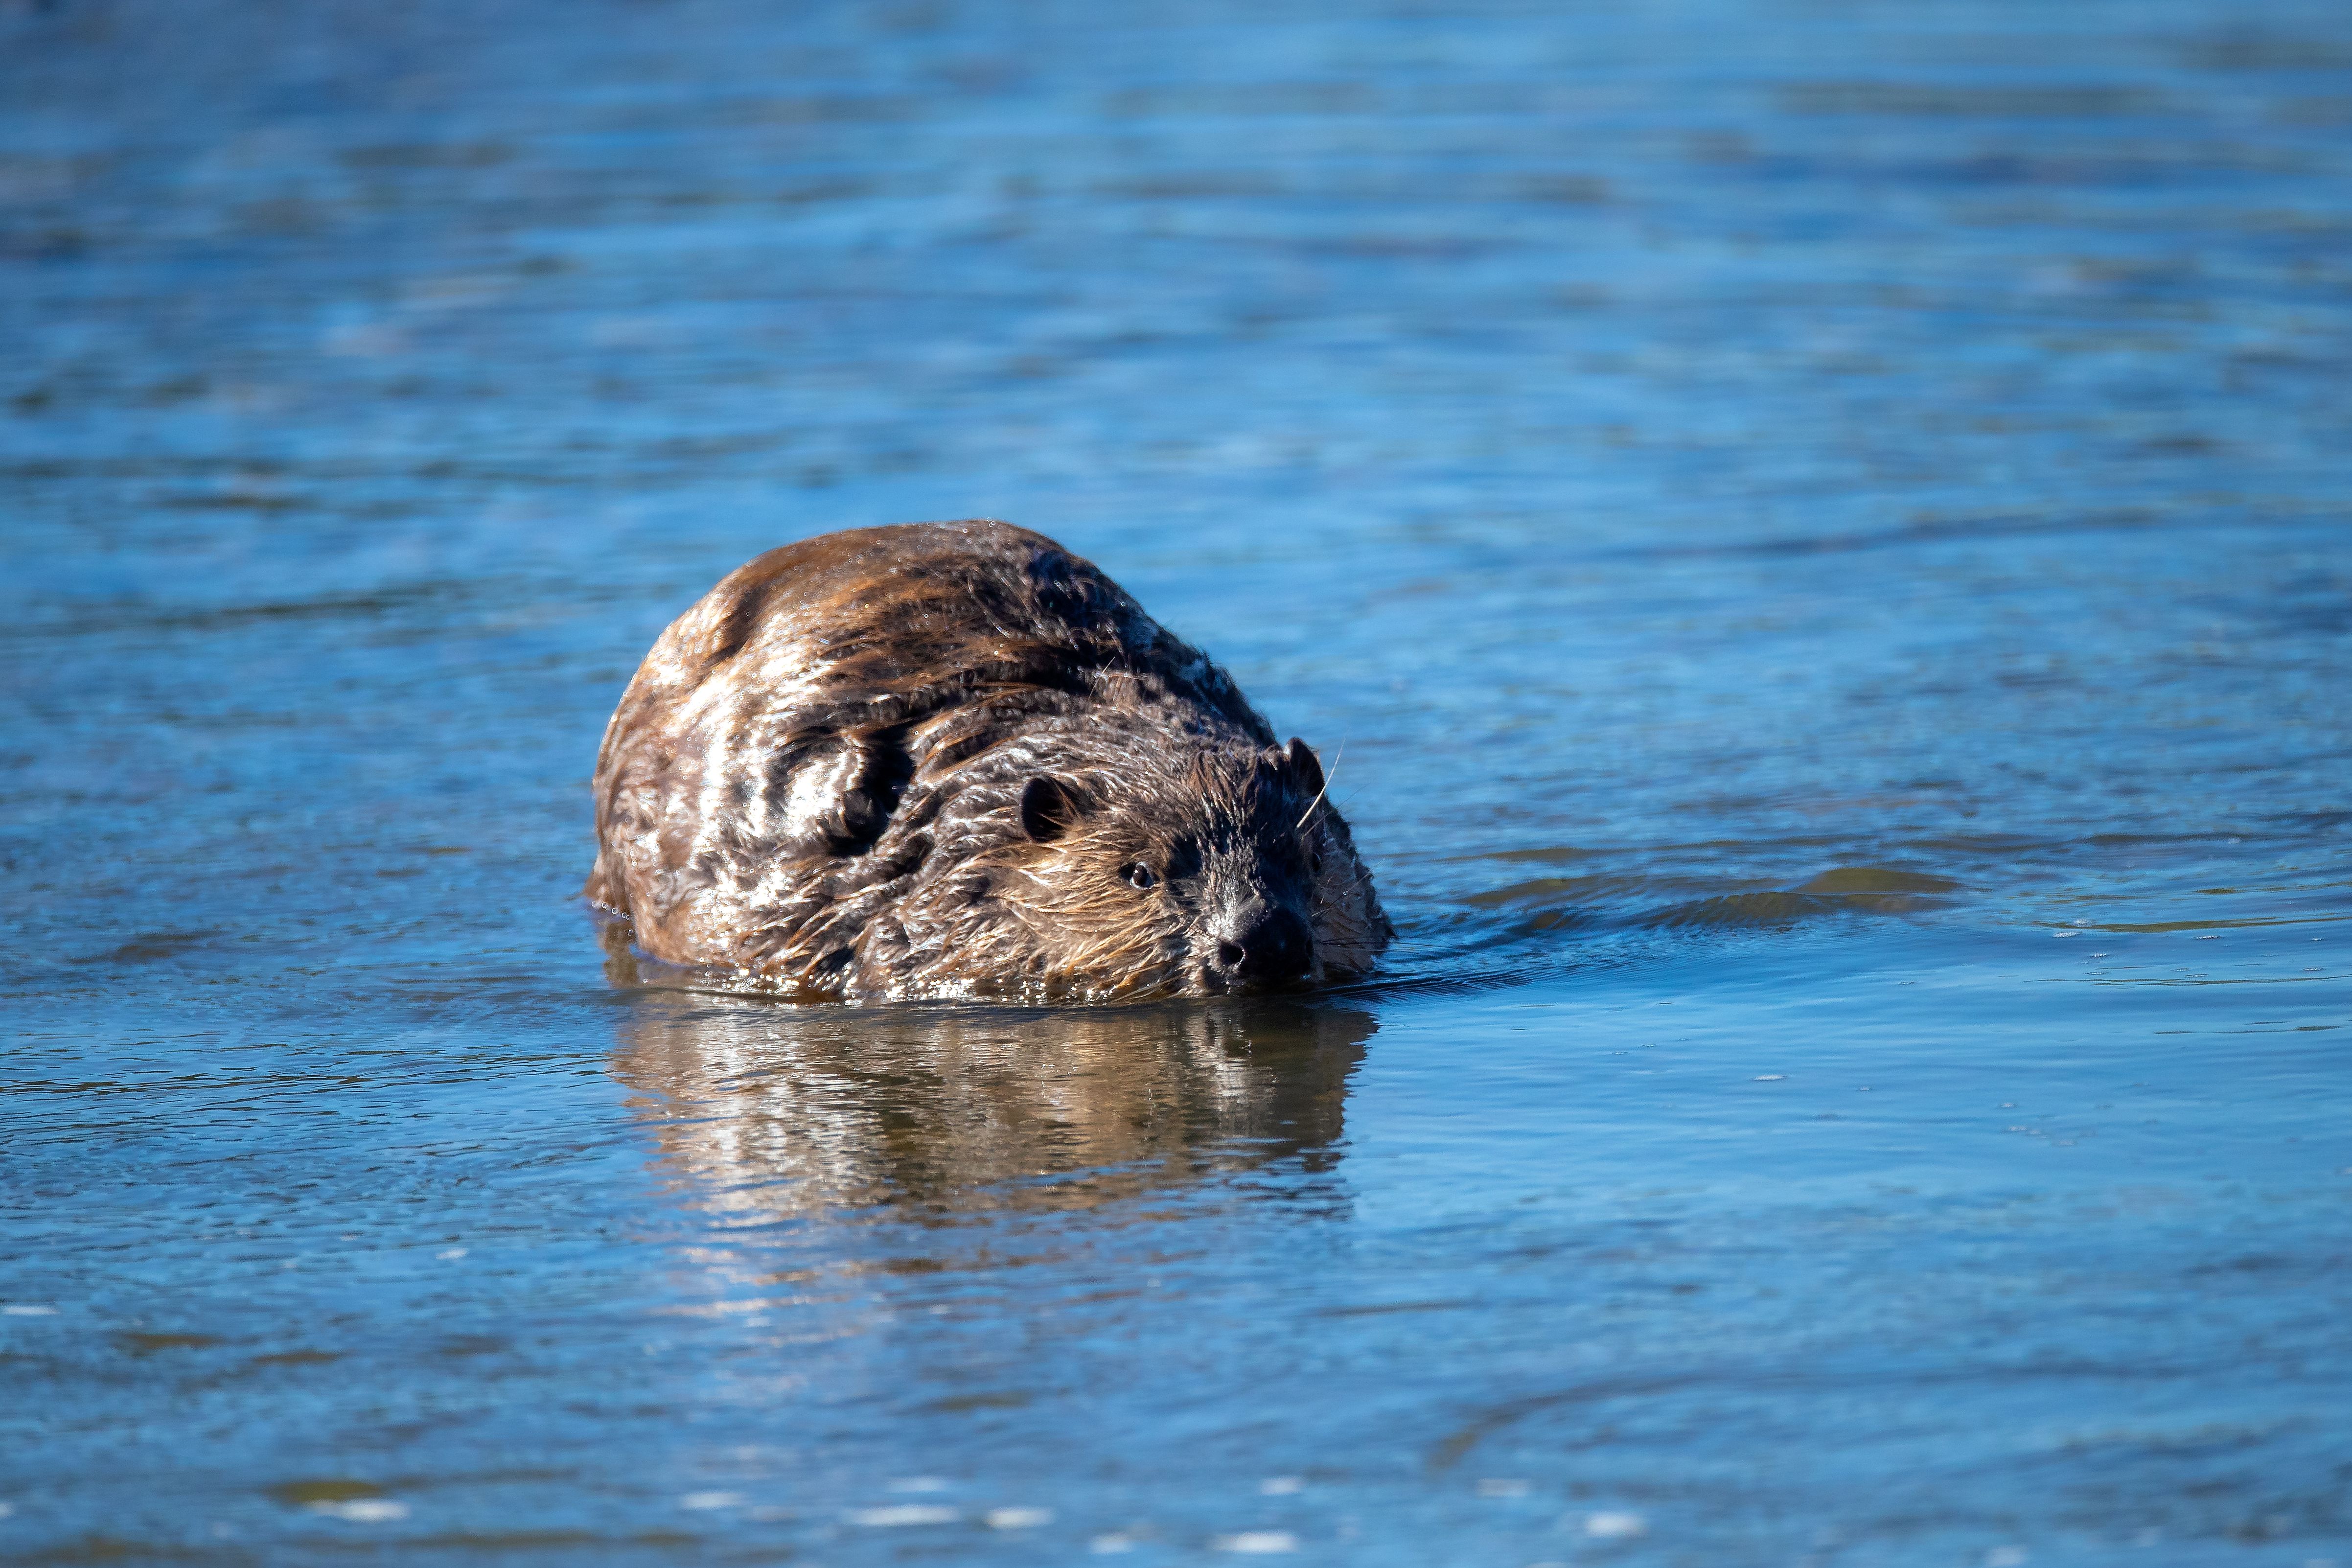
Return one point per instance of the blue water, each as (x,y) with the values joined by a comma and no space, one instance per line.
(1817,535)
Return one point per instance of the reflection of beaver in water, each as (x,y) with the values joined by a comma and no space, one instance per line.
(783,1111)
(949,759)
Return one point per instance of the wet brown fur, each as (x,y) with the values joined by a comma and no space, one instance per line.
(816,777)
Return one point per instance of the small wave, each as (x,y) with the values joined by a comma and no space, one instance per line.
(1552,926)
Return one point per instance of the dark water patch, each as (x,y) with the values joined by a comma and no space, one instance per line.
(429,155)
(2217,925)
(115,619)
(1559,913)
(1934,530)
(1771,908)
(232,502)
(1878,881)
(502,1545)
(2258,51)
(1939,100)
(148,1344)
(331,1488)
(98,1547)
(151,947)
(1385,1309)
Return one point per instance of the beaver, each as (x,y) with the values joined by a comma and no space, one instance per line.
(953,758)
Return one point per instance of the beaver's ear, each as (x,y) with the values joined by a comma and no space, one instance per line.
(1049,808)
(1304,764)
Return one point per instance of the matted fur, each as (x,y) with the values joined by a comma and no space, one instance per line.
(816,778)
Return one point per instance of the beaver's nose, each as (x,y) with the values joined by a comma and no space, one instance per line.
(1265,942)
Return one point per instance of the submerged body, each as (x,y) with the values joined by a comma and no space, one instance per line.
(953,758)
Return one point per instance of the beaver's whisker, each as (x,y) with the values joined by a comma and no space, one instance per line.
(1329,774)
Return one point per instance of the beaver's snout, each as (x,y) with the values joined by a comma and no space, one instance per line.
(1262,943)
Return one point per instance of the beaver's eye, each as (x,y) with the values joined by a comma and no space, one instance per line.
(1140,876)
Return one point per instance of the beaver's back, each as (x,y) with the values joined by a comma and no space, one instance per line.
(776,728)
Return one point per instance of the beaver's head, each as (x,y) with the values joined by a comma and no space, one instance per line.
(1195,868)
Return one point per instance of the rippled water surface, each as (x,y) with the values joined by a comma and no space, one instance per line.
(1816,534)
